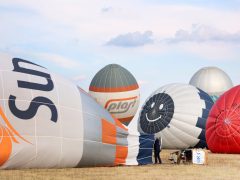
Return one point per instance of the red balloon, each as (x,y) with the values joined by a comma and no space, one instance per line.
(223,123)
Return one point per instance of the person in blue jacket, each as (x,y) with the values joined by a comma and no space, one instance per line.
(157,150)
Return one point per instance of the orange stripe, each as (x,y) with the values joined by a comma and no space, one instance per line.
(113,89)
(121,155)
(5,146)
(6,138)
(12,136)
(10,126)
(109,132)
(122,99)
(127,119)
(119,124)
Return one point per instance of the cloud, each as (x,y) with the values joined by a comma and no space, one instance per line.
(58,60)
(142,82)
(79,78)
(203,33)
(132,39)
(78,27)
(106,9)
(82,20)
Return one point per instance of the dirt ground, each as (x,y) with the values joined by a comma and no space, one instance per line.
(220,166)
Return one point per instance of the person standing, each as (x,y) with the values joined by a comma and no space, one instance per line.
(157,150)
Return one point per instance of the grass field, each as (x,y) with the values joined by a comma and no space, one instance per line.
(220,166)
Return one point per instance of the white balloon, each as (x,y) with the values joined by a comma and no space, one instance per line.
(212,80)
(177,113)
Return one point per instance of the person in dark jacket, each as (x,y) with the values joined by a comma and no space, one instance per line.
(157,150)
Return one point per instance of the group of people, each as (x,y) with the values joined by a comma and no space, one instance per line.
(157,149)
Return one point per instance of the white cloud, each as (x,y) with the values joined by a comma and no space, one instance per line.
(214,51)
(79,78)
(132,39)
(56,23)
(142,82)
(58,60)
(54,59)
(106,9)
(203,33)
(125,16)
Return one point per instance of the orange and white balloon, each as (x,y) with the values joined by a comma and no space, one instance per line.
(116,90)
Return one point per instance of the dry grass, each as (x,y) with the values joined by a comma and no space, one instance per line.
(220,166)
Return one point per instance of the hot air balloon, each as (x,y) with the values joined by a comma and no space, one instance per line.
(223,124)
(48,122)
(116,90)
(212,80)
(177,113)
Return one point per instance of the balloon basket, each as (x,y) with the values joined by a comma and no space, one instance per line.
(189,156)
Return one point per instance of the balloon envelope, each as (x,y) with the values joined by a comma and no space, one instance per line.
(47,121)
(212,80)
(177,113)
(223,124)
(116,90)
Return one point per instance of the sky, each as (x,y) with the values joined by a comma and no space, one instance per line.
(158,41)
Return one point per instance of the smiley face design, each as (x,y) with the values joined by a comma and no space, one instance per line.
(157,113)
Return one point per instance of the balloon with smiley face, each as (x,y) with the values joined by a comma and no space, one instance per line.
(177,113)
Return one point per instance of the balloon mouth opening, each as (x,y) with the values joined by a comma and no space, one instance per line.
(227,121)
(227,124)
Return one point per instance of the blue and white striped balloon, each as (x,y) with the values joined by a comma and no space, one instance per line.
(178,114)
